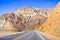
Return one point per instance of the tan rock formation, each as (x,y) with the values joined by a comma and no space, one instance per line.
(8,26)
(52,24)
(18,25)
(25,10)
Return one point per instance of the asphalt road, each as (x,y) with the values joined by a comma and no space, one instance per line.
(11,37)
(28,35)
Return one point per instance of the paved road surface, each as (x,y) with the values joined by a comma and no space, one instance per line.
(11,37)
(30,35)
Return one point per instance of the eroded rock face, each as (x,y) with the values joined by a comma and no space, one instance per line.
(26,18)
(11,18)
(33,17)
(2,21)
(8,26)
(52,24)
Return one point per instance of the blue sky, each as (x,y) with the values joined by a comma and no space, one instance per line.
(13,5)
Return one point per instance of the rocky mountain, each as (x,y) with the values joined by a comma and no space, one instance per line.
(26,18)
(33,17)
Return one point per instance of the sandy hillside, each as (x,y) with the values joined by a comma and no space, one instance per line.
(52,24)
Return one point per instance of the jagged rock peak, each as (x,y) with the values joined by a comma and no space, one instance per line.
(25,10)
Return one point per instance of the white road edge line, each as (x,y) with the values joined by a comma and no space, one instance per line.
(40,35)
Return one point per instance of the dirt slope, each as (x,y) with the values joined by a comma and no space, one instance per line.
(52,24)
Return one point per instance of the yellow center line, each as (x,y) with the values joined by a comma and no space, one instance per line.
(21,36)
